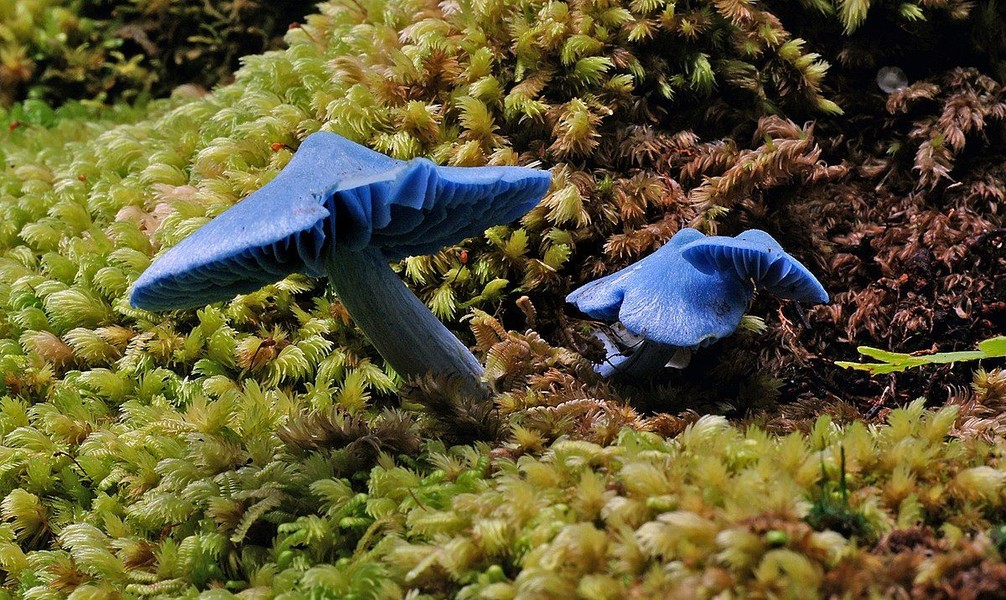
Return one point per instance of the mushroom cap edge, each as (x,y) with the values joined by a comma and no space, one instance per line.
(757,256)
(291,223)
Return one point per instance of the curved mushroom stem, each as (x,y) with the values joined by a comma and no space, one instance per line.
(644,359)
(397,323)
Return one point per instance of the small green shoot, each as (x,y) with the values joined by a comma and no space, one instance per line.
(895,362)
(831,508)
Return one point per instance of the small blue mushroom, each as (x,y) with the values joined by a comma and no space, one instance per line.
(343,210)
(688,294)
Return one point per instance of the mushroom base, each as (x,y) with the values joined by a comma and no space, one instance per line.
(637,358)
(402,329)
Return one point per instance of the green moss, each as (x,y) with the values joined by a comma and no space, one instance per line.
(246,446)
(108,50)
(716,510)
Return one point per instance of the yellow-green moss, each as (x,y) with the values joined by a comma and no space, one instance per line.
(233,447)
(112,51)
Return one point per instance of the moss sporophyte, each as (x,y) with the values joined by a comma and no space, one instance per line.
(343,210)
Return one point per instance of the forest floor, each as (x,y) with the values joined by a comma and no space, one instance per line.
(911,250)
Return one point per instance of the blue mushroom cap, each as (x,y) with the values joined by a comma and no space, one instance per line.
(335,194)
(664,299)
(757,257)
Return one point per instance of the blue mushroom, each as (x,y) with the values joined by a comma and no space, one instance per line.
(343,210)
(688,294)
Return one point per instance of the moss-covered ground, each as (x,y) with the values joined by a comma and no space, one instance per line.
(260,448)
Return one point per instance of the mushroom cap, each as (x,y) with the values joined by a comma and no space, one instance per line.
(757,257)
(664,299)
(335,195)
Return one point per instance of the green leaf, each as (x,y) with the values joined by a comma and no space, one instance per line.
(994,347)
(895,362)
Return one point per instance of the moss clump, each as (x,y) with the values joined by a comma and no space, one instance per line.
(716,510)
(108,50)
(233,448)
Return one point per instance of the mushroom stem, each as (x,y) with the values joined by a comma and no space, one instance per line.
(409,337)
(644,359)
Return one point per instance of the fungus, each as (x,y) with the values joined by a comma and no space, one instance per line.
(343,210)
(688,294)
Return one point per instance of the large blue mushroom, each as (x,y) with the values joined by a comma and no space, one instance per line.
(688,294)
(342,210)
